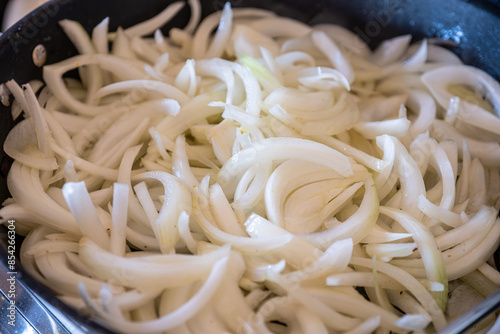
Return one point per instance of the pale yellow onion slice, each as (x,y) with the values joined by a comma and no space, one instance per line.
(488,152)
(330,317)
(357,307)
(278,26)
(149,26)
(25,187)
(175,270)
(173,319)
(334,54)
(390,50)
(52,75)
(91,75)
(431,256)
(21,136)
(411,283)
(155,86)
(437,81)
(82,208)
(176,199)
(280,148)
(245,245)
(412,184)
(356,226)
(345,38)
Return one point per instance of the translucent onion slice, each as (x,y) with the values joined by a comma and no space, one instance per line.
(149,26)
(82,208)
(25,187)
(20,137)
(52,75)
(438,81)
(356,226)
(431,256)
(173,319)
(176,199)
(250,246)
(410,282)
(175,270)
(280,148)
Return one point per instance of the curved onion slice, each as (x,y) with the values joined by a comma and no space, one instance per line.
(175,270)
(478,84)
(280,148)
(21,145)
(176,199)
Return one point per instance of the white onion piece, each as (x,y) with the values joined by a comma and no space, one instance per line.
(390,50)
(330,317)
(99,36)
(394,127)
(175,270)
(408,281)
(223,33)
(424,105)
(310,322)
(163,88)
(83,210)
(488,152)
(243,244)
(84,165)
(345,38)
(51,246)
(439,79)
(180,164)
(25,187)
(331,50)
(334,259)
(294,99)
(216,68)
(363,278)
(117,240)
(439,54)
(356,226)
(293,59)
(367,326)
(378,108)
(21,136)
(412,184)
(358,155)
(52,74)
(357,307)
(379,235)
(418,58)
(55,268)
(385,252)
(482,220)
(81,40)
(296,253)
(280,27)
(431,256)
(277,149)
(149,26)
(176,199)
(223,212)
(179,316)
(436,212)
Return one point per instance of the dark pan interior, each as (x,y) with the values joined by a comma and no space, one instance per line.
(473,25)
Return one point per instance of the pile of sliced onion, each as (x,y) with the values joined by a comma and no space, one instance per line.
(252,174)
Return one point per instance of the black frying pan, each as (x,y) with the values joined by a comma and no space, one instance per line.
(473,25)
